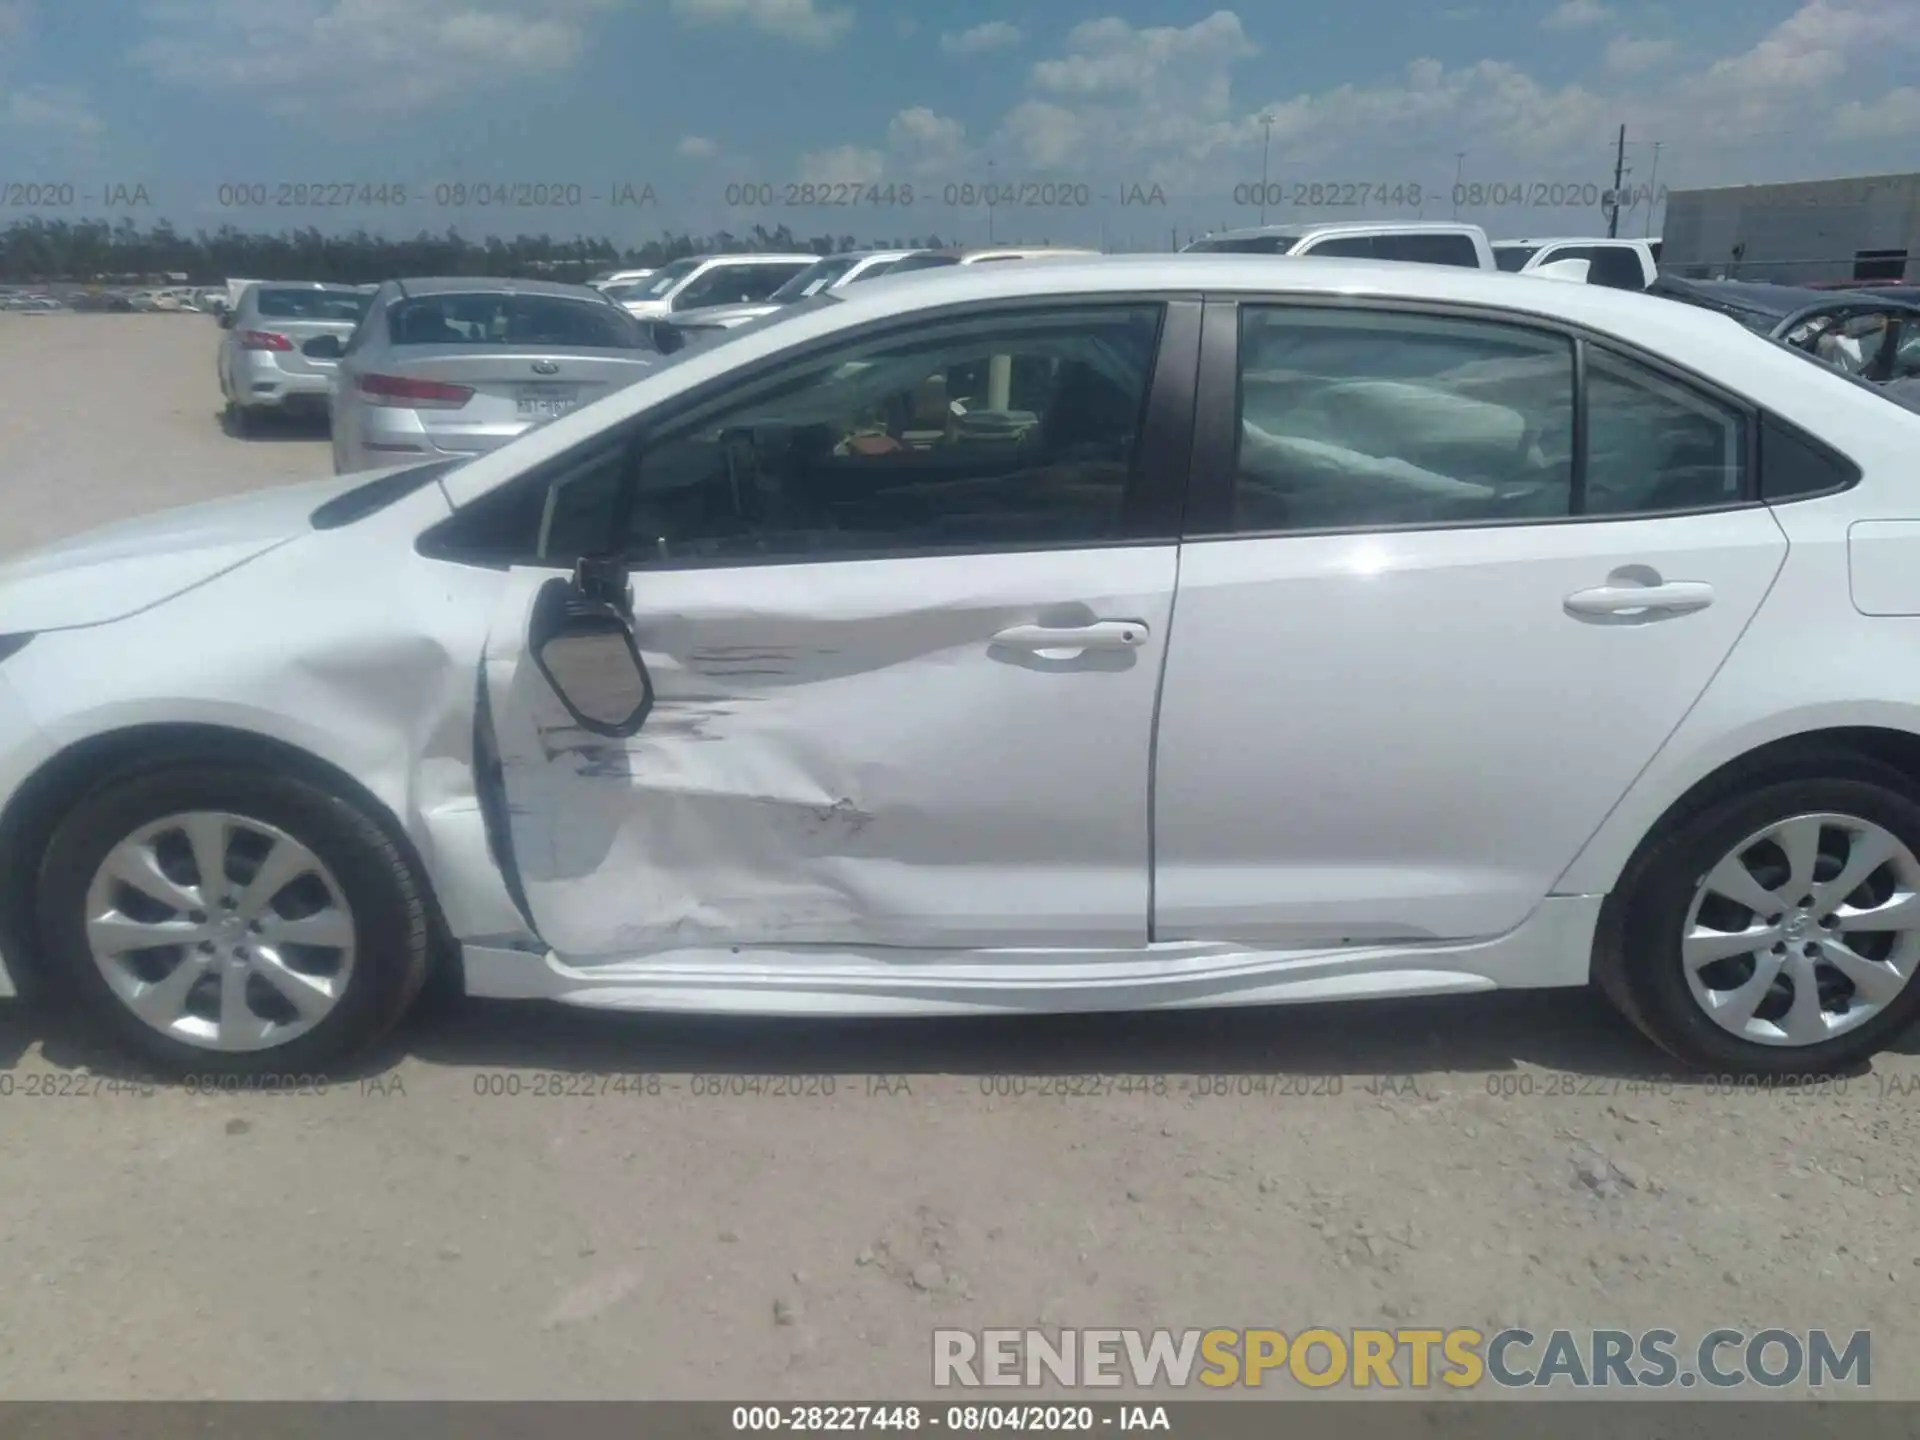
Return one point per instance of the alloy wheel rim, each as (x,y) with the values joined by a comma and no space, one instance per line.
(220,931)
(1805,930)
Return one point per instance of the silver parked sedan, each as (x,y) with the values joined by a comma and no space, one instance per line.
(282,347)
(454,367)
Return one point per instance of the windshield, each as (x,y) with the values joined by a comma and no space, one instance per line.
(504,318)
(816,277)
(342,305)
(656,285)
(1247,245)
(1513,258)
(875,271)
(925,260)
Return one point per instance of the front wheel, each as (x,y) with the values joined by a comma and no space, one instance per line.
(232,920)
(1777,931)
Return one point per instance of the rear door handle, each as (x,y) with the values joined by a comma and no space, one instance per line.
(1676,597)
(1101,635)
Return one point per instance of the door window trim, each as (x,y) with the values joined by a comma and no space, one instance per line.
(1217,406)
(1153,508)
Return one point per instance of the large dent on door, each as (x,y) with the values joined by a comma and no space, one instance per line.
(782,831)
(832,767)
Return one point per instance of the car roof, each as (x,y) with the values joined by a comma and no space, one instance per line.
(469,284)
(1341,227)
(763,256)
(1575,240)
(968,252)
(256,286)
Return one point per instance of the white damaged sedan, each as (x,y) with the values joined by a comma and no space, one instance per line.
(1117,634)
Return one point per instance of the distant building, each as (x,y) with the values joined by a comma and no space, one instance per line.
(1866,228)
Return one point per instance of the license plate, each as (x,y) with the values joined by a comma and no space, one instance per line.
(546,402)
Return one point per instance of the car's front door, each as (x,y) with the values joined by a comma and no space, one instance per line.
(903,601)
(1424,643)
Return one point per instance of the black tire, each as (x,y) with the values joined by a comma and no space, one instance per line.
(240,420)
(1637,961)
(392,934)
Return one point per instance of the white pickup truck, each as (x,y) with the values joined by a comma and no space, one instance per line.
(1430,242)
(1591,260)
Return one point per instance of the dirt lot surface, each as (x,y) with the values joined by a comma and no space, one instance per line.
(537,1202)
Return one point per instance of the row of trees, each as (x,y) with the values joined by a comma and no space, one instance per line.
(39,251)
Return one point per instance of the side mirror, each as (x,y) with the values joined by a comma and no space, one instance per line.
(668,338)
(582,642)
(226,319)
(324,347)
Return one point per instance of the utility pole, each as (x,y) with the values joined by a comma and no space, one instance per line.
(1459,169)
(1266,144)
(1619,178)
(1653,190)
(990,199)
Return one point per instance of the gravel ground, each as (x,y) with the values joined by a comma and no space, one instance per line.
(671,1225)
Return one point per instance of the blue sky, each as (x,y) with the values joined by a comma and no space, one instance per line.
(1080,103)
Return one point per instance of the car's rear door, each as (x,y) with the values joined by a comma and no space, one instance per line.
(905,678)
(1426,637)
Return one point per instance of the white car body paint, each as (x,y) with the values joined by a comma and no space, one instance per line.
(1457,830)
(1881,569)
(779,794)
(846,847)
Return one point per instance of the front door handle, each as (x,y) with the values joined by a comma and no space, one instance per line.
(1676,597)
(1101,635)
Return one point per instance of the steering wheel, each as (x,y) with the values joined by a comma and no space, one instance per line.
(1902,316)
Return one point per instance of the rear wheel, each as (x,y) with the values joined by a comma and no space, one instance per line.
(232,920)
(1776,931)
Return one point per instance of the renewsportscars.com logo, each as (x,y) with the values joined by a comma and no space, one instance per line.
(1409,1357)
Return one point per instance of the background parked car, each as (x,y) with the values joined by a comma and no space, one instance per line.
(1427,242)
(282,347)
(1871,335)
(463,365)
(831,272)
(1618,264)
(702,280)
(614,279)
(102,302)
(983,254)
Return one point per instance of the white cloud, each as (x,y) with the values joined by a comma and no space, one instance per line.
(994,35)
(843,165)
(369,59)
(922,133)
(796,20)
(1795,64)
(1628,57)
(1576,15)
(56,108)
(696,147)
(1120,105)
(1895,115)
(1110,58)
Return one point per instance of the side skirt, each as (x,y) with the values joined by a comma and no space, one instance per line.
(1553,947)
